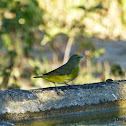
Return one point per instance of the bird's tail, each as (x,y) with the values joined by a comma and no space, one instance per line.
(38,77)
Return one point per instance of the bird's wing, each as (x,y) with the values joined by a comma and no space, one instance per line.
(63,70)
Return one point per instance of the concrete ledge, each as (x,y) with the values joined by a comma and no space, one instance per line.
(6,124)
(17,105)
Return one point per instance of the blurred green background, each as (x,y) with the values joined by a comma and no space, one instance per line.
(37,36)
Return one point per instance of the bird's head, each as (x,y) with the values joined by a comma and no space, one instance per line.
(75,59)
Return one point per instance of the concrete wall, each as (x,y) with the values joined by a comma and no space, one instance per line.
(19,105)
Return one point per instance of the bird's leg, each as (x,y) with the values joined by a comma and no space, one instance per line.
(69,85)
(57,89)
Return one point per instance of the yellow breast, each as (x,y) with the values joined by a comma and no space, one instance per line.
(74,73)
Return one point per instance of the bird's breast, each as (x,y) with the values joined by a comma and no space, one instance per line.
(75,72)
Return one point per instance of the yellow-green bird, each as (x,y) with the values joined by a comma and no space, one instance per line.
(64,73)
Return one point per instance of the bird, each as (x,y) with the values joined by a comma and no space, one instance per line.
(65,73)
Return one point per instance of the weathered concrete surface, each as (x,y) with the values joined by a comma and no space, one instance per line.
(6,124)
(41,103)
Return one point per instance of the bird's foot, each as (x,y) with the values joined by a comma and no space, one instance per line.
(58,92)
(73,86)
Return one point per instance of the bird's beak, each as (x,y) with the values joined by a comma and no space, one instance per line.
(81,56)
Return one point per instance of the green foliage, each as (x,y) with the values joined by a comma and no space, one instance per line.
(116,70)
(19,17)
(19,23)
